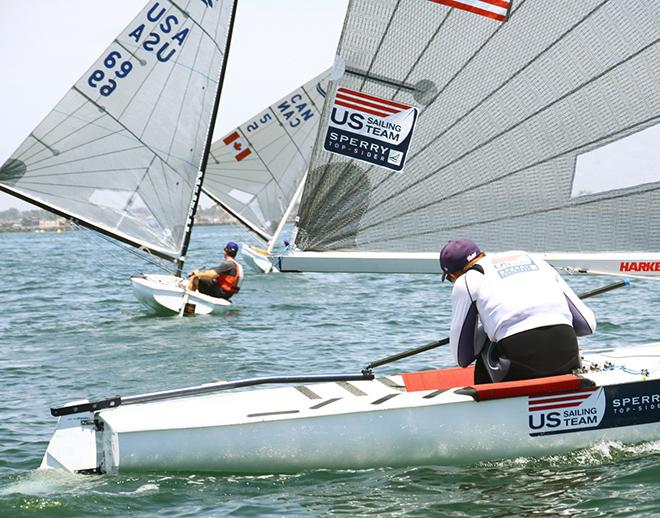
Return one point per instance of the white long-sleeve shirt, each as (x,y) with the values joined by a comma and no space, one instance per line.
(515,293)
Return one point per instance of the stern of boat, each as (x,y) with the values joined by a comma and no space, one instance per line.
(73,445)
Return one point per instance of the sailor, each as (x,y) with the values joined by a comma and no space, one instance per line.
(513,313)
(224,280)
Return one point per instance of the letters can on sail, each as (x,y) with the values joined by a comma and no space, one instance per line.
(370,129)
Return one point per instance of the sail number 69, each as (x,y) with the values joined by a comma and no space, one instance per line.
(111,63)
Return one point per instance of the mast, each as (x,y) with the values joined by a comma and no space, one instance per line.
(205,156)
(295,198)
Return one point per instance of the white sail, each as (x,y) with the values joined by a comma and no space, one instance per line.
(517,123)
(255,170)
(121,153)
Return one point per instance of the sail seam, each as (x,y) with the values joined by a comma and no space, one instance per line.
(380,43)
(426,48)
(518,124)
(73,161)
(56,127)
(45,135)
(656,187)
(128,130)
(256,152)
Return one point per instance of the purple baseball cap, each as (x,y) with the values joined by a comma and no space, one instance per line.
(456,254)
(231,246)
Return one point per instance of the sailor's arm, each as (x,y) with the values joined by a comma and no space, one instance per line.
(463,324)
(584,320)
(206,274)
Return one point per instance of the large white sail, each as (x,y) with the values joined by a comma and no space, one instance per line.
(122,151)
(255,170)
(518,123)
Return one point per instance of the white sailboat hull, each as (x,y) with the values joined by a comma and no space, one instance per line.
(258,260)
(393,421)
(624,264)
(167,294)
(359,262)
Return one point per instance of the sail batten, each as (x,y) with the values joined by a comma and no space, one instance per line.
(506,113)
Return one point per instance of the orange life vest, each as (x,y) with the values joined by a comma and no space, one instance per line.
(229,283)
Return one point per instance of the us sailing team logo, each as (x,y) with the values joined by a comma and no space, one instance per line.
(566,411)
(370,129)
(611,406)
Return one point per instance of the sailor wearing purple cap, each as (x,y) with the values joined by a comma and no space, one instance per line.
(513,313)
(224,280)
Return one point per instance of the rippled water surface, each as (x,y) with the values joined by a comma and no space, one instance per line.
(71,328)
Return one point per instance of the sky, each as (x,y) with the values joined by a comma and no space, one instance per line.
(46,45)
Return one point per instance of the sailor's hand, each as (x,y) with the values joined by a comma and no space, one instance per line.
(192,274)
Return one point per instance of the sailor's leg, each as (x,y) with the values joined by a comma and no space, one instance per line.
(545,351)
(481,374)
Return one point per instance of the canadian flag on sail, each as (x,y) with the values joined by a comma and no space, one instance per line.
(238,145)
(496,9)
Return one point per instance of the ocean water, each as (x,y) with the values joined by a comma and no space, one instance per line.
(71,328)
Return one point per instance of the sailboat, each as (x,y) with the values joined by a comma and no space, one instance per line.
(125,151)
(361,421)
(539,132)
(257,170)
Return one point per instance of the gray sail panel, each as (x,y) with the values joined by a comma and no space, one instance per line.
(506,112)
(255,169)
(121,152)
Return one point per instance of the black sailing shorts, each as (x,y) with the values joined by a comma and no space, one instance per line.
(211,288)
(536,353)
